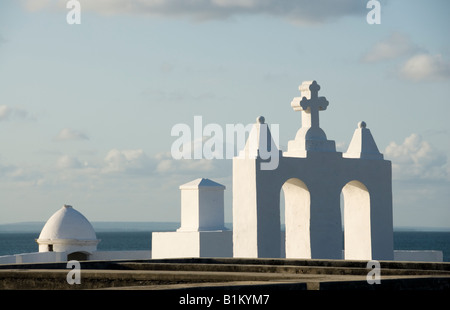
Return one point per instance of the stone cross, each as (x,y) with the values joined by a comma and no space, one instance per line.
(310,104)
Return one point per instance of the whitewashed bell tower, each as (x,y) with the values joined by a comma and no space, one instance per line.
(312,176)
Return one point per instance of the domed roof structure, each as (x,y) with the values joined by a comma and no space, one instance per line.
(67,230)
(68,223)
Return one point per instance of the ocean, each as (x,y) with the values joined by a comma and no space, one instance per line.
(24,242)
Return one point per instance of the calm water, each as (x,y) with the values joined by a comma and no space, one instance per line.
(420,240)
(15,243)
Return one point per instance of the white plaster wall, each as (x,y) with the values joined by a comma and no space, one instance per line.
(216,243)
(211,209)
(42,257)
(362,144)
(378,182)
(189,210)
(202,206)
(297,218)
(202,232)
(68,245)
(43,247)
(111,255)
(325,226)
(357,230)
(422,256)
(256,206)
(8,259)
(175,244)
(268,219)
(192,244)
(245,237)
(36,257)
(49,257)
(71,248)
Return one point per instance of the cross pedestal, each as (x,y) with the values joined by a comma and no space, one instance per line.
(310,137)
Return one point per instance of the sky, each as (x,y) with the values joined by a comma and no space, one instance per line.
(86,110)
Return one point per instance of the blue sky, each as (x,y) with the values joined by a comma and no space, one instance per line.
(86,110)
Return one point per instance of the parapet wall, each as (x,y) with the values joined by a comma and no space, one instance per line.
(418,256)
(51,257)
(37,257)
(228,273)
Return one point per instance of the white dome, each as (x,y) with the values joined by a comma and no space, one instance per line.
(67,223)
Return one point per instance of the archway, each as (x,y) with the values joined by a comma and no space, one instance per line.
(357,228)
(297,219)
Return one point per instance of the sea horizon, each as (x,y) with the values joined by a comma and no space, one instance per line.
(99,226)
(18,238)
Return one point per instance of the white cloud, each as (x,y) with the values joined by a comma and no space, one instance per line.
(68,162)
(5,111)
(136,162)
(13,173)
(420,65)
(8,113)
(415,158)
(67,134)
(425,67)
(166,164)
(396,45)
(34,5)
(127,161)
(299,11)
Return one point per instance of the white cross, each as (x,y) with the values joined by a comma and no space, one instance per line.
(310,104)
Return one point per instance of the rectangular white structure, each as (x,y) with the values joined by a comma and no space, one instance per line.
(202,232)
(192,244)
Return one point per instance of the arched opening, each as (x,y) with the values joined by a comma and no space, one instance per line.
(356,218)
(79,256)
(297,219)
